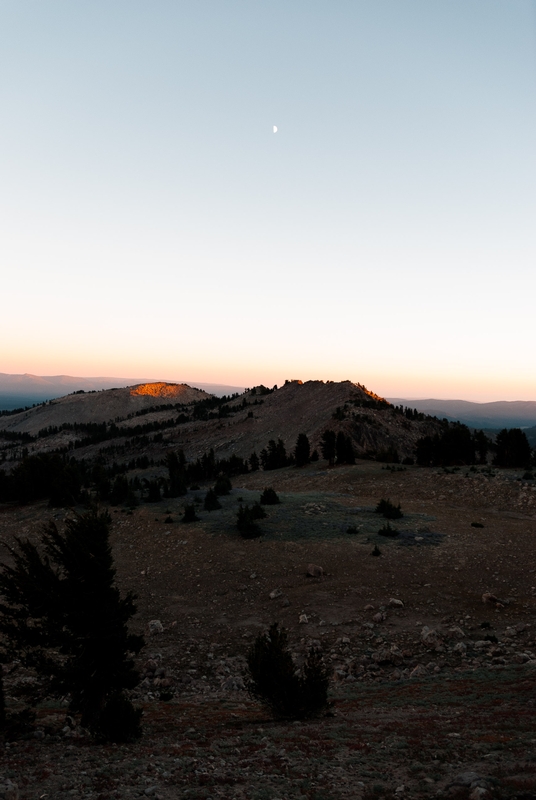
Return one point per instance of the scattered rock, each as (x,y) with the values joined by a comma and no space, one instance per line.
(394,603)
(314,571)
(430,637)
(304,619)
(155,627)
(490,599)
(275,593)
(419,672)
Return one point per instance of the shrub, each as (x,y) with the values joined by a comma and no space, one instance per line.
(269,497)
(257,511)
(118,721)
(388,531)
(189,514)
(211,501)
(272,678)
(223,485)
(389,510)
(376,551)
(245,522)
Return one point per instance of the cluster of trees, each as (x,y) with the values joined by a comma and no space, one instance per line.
(63,617)
(337,448)
(457,445)
(275,455)
(45,476)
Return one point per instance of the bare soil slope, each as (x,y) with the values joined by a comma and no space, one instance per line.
(103,406)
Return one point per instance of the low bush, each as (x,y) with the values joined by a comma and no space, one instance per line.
(389,510)
(119,721)
(211,502)
(223,485)
(257,511)
(273,680)
(245,522)
(388,531)
(189,514)
(269,497)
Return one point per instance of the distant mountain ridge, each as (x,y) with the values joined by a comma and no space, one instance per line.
(242,425)
(498,414)
(19,391)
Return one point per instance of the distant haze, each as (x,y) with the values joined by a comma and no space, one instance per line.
(499,414)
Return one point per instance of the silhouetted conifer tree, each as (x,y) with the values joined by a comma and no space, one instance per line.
(512,448)
(63,615)
(302,451)
(328,446)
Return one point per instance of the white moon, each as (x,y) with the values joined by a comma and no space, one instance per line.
(275,128)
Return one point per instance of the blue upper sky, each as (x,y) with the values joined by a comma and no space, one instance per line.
(151,222)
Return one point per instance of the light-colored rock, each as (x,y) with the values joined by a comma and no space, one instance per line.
(394,603)
(275,593)
(430,637)
(418,672)
(155,627)
(304,619)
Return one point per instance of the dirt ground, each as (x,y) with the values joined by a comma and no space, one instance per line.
(432,690)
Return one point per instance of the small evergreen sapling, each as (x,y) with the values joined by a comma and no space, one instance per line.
(211,502)
(389,510)
(269,497)
(272,678)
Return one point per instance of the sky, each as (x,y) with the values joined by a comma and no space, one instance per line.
(153,224)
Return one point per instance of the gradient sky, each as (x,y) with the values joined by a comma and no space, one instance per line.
(151,223)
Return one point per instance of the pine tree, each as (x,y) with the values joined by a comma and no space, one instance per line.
(328,446)
(302,451)
(63,615)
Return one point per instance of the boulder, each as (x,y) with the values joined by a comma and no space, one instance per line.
(314,571)
(155,627)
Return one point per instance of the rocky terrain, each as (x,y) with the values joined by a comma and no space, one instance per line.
(431,644)
(250,421)
(104,406)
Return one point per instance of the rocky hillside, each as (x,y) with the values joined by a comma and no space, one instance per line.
(373,424)
(105,406)
(172,416)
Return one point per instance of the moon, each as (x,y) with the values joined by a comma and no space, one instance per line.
(274,129)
